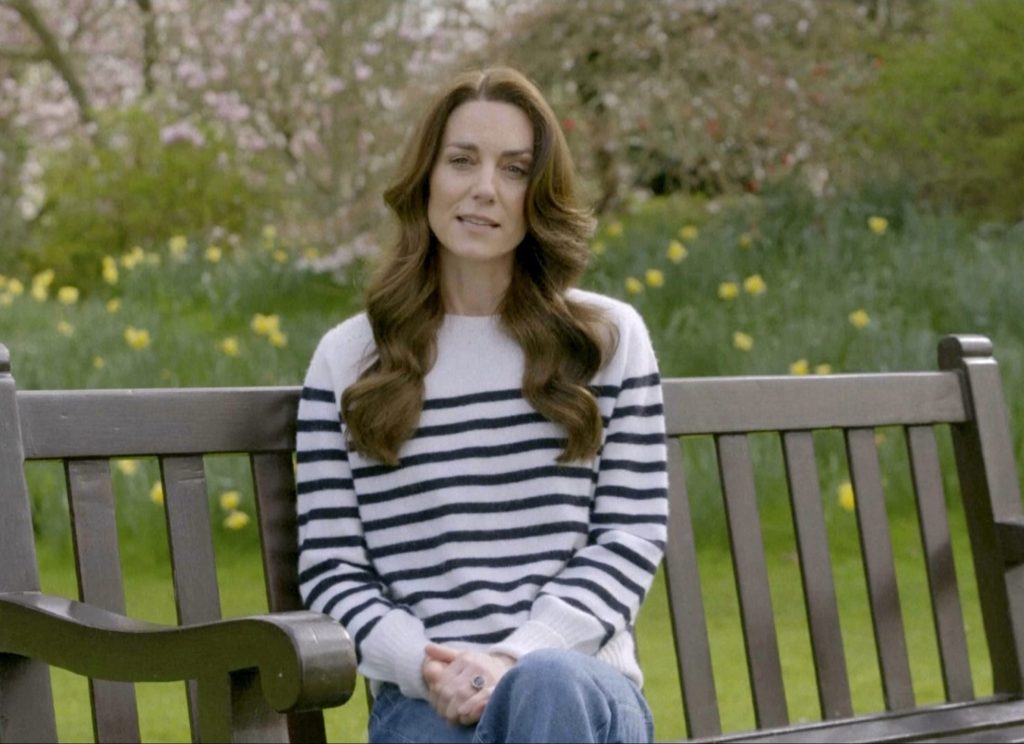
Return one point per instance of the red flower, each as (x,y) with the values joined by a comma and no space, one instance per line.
(713,129)
(568,125)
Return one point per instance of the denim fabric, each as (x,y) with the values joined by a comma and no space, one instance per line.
(549,696)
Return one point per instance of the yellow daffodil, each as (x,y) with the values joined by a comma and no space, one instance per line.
(823,369)
(799,367)
(264,325)
(39,292)
(654,278)
(860,319)
(676,251)
(745,240)
(269,233)
(177,246)
(236,520)
(15,287)
(114,305)
(214,254)
(312,254)
(754,285)
(127,467)
(633,285)
(598,247)
(728,290)
(137,338)
(878,225)
(688,232)
(110,275)
(156,493)
(614,230)
(280,256)
(65,329)
(229,500)
(67,295)
(98,362)
(229,346)
(133,258)
(845,497)
(44,278)
(278,339)
(742,341)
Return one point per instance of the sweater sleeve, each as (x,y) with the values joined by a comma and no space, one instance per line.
(599,591)
(336,577)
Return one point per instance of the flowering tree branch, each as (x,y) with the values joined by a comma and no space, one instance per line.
(51,51)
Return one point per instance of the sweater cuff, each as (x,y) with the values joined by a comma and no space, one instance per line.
(553,624)
(394,652)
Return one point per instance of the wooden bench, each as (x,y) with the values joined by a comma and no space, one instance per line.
(306,662)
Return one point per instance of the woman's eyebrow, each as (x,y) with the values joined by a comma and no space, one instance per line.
(507,153)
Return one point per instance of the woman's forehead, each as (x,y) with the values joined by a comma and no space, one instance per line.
(494,126)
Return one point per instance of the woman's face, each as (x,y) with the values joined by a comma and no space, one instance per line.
(476,202)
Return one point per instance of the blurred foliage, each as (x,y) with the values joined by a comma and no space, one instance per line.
(304,107)
(705,97)
(948,110)
(143,183)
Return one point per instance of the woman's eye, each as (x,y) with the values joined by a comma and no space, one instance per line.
(459,160)
(518,170)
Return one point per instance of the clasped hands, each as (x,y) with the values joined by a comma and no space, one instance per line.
(449,674)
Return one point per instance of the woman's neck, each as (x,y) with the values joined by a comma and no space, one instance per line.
(473,287)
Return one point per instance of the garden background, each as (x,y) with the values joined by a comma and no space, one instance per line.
(190,195)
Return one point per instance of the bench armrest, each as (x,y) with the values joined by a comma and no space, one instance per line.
(305,660)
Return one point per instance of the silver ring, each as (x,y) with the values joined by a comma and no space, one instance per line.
(477,682)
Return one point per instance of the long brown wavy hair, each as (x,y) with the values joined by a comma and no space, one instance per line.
(565,343)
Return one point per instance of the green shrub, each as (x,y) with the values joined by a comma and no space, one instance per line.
(134,187)
(949,110)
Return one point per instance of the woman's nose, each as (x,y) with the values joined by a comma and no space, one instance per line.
(483,186)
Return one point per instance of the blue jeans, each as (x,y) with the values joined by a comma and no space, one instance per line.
(549,696)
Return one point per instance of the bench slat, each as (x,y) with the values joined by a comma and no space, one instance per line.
(100,423)
(274,485)
(686,604)
(816,574)
(190,539)
(98,565)
(938,549)
(749,404)
(879,570)
(758,619)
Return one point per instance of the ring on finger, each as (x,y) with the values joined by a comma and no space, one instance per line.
(477,682)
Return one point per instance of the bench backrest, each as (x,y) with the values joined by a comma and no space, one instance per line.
(967,396)
(85,430)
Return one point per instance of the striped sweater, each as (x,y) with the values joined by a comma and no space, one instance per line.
(479,538)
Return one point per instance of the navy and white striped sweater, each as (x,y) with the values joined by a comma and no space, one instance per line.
(480,538)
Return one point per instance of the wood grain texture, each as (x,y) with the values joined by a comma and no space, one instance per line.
(758,618)
(816,575)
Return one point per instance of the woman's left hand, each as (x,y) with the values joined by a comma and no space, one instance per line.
(453,695)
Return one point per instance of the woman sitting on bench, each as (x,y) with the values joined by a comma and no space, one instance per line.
(481,454)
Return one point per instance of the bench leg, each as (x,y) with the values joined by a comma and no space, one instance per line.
(232,708)
(26,700)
